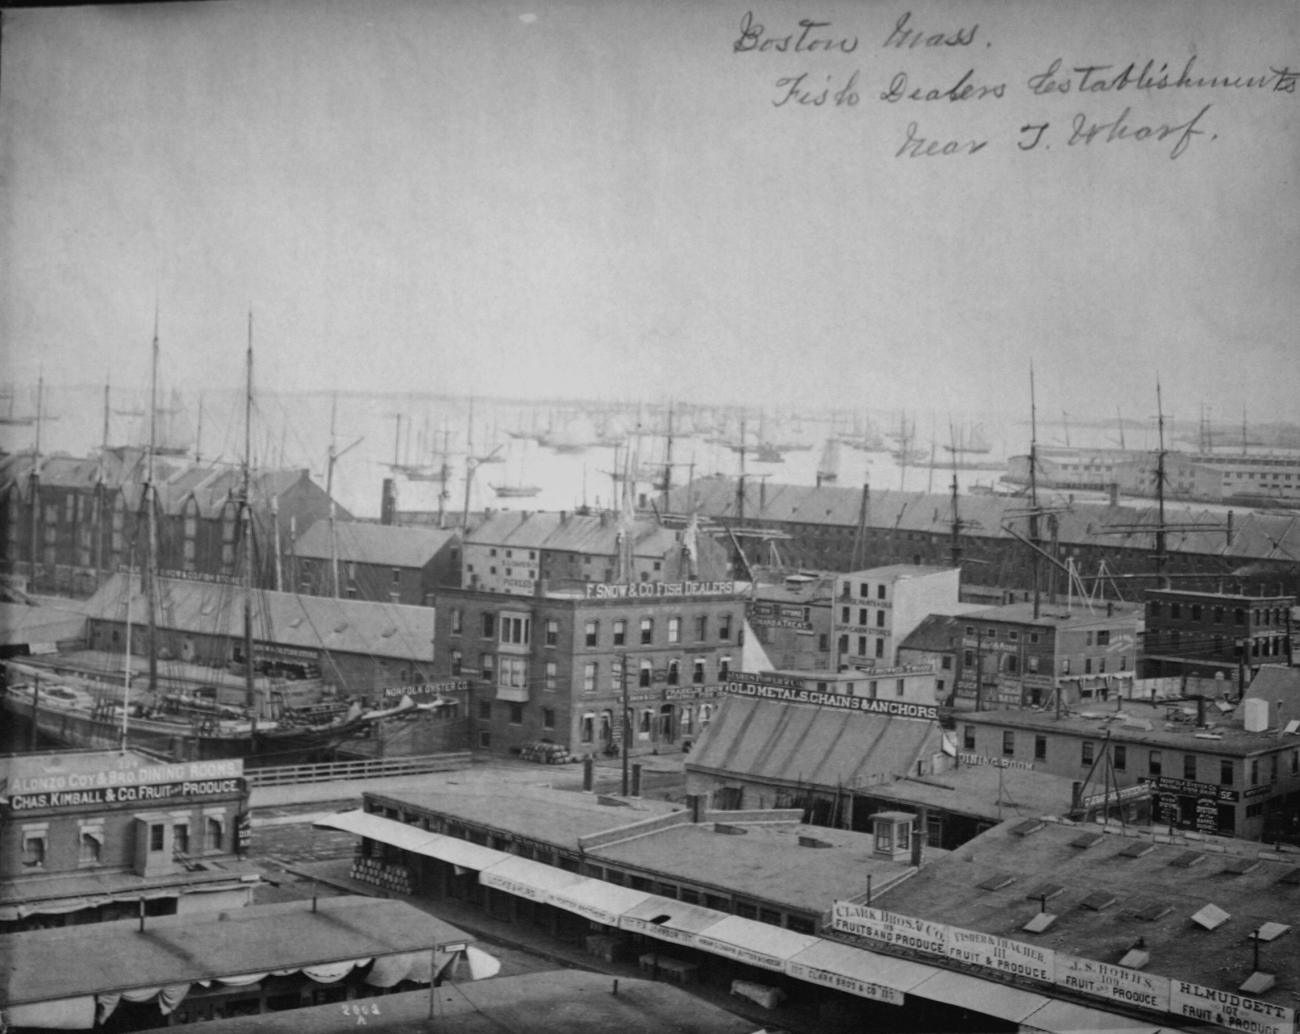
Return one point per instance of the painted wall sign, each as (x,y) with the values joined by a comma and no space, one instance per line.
(841,982)
(428,689)
(746,955)
(650,590)
(890,928)
(1229,1009)
(39,773)
(664,933)
(1006,956)
(842,701)
(984,759)
(1190,788)
(1114,983)
(148,793)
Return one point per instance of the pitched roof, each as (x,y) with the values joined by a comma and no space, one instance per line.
(569,532)
(1257,535)
(938,632)
(388,630)
(365,543)
(775,741)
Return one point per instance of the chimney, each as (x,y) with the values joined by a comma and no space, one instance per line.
(1200,712)
(762,495)
(1230,527)
(387,503)
(1110,608)
(1255,718)
(1114,493)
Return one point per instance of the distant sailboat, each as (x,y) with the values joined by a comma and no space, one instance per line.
(828,467)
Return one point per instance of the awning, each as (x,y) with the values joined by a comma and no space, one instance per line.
(1058,1017)
(525,878)
(463,853)
(858,971)
(754,943)
(376,827)
(413,839)
(597,900)
(61,1014)
(669,920)
(984,996)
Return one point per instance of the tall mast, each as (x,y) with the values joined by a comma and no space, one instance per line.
(329,494)
(106,411)
(36,480)
(1120,419)
(1033,485)
(151,524)
(249,698)
(668,459)
(198,437)
(954,549)
(1160,490)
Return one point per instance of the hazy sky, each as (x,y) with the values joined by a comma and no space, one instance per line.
(600,198)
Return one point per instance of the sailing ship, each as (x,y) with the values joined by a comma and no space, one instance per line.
(518,490)
(828,467)
(191,712)
(974,442)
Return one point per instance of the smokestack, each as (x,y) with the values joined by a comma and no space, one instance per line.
(1110,608)
(1230,527)
(387,503)
(1200,712)
(1114,493)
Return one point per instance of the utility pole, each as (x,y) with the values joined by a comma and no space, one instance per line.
(627,720)
(1160,491)
(247,514)
(36,482)
(149,502)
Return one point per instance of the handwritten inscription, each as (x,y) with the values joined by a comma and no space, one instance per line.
(844,89)
(754,36)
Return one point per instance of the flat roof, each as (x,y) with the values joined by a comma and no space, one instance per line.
(984,791)
(896,572)
(1172,725)
(565,1001)
(947,890)
(765,862)
(558,817)
(98,888)
(114,956)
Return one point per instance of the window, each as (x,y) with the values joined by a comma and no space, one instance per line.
(215,833)
(620,632)
(697,674)
(485,710)
(592,632)
(1120,757)
(487,665)
(489,626)
(91,841)
(1065,666)
(1225,772)
(587,731)
(674,672)
(513,671)
(880,619)
(1175,610)
(724,625)
(898,688)
(843,645)
(552,675)
(457,621)
(1196,612)
(457,662)
(862,615)
(968,659)
(157,836)
(862,646)
(645,675)
(516,714)
(864,590)
(515,629)
(1272,768)
(1087,756)
(823,642)
(1103,637)
(701,628)
(945,662)
(34,848)
(1008,743)
(674,630)
(1040,748)
(1013,664)
(844,615)
(724,669)
(1254,811)
(1087,665)
(552,633)
(181,839)
(1254,771)
(968,738)
(1153,763)
(589,677)
(647,631)
(880,648)
(880,591)
(1189,767)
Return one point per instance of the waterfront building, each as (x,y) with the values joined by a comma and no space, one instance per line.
(381,563)
(1215,635)
(876,609)
(94,835)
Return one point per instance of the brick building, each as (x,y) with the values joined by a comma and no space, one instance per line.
(86,835)
(510,552)
(1214,634)
(377,562)
(1010,658)
(1216,777)
(793,621)
(875,610)
(552,667)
